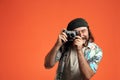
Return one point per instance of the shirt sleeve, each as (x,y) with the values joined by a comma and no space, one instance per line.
(94,61)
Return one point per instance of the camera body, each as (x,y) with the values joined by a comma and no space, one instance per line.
(71,34)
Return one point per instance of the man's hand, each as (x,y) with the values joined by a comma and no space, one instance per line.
(62,38)
(78,42)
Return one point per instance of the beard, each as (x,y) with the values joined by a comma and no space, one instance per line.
(85,40)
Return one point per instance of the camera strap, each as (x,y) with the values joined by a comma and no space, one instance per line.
(61,65)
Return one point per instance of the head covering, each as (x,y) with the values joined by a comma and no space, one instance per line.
(78,22)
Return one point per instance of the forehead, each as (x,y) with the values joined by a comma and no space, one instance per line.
(81,28)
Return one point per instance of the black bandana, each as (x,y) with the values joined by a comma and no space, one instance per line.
(78,22)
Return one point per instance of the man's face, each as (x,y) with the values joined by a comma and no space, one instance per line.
(83,31)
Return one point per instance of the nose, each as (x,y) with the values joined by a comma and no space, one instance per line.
(81,34)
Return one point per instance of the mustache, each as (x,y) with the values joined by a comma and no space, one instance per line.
(86,41)
(84,38)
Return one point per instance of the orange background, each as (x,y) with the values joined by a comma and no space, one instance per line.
(29,29)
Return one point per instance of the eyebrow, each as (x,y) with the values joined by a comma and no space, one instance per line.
(83,29)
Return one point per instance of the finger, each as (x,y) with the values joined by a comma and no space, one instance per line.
(77,37)
(63,33)
(76,43)
(63,38)
(77,40)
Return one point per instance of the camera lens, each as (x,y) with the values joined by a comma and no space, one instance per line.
(72,35)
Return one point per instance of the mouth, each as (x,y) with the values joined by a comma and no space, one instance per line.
(84,38)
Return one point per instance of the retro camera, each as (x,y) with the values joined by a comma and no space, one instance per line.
(71,34)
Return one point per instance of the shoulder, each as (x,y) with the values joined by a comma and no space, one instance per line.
(95,48)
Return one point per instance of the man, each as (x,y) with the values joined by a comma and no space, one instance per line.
(79,58)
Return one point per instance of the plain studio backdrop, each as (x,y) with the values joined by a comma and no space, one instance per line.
(29,29)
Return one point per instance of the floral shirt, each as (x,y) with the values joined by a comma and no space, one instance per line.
(71,71)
